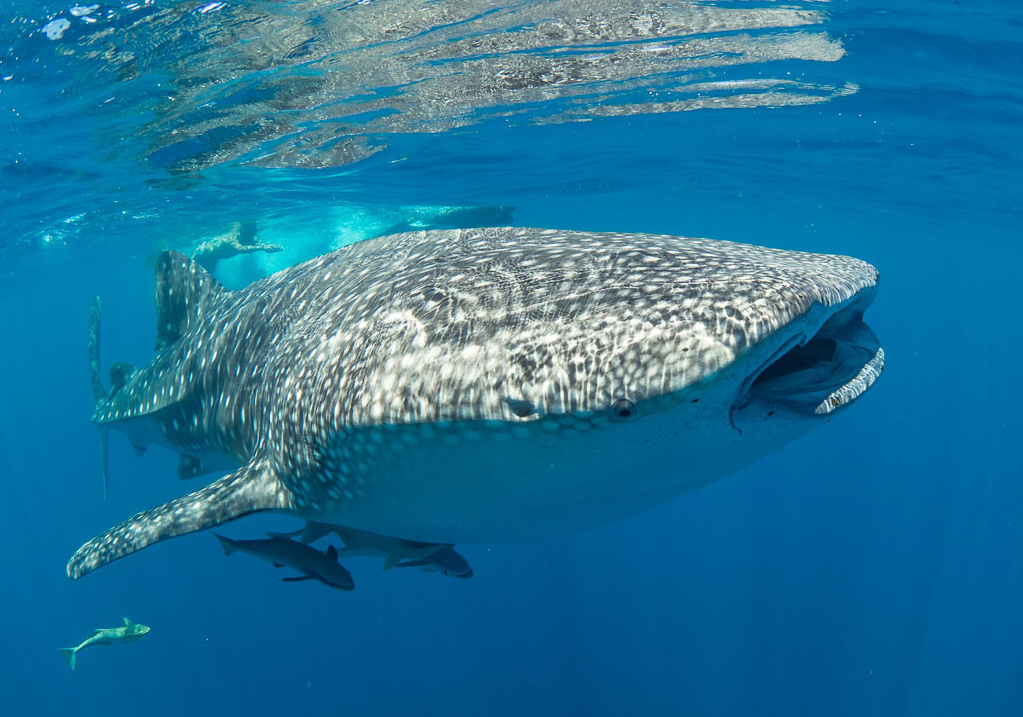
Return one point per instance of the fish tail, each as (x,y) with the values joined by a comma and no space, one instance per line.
(99,393)
(70,654)
(225,543)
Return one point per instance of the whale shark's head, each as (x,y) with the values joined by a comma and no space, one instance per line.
(560,380)
(526,325)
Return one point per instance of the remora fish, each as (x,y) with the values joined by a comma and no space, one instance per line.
(129,632)
(486,385)
(307,560)
(446,561)
(396,552)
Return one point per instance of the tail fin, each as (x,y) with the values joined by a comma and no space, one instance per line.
(70,654)
(98,392)
(250,489)
(314,531)
(225,543)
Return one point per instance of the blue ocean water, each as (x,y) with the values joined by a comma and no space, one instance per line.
(869,568)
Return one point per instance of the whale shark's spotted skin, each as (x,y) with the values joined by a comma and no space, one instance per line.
(359,385)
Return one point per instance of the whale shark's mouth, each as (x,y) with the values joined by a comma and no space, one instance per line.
(824,372)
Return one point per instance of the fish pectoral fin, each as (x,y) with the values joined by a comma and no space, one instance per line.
(250,489)
(297,579)
(411,564)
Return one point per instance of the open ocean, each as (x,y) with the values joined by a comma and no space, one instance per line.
(871,567)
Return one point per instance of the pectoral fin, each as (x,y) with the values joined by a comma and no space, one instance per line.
(250,489)
(409,564)
(297,579)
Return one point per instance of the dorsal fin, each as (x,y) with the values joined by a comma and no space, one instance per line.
(183,289)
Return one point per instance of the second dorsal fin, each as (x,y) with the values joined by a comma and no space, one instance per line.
(183,290)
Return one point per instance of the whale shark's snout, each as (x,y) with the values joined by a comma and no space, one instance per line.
(817,369)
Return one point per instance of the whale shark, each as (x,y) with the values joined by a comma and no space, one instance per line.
(486,385)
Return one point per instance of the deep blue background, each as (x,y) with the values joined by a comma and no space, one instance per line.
(872,567)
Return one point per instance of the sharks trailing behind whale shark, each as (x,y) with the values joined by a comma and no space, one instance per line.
(486,385)
(397,552)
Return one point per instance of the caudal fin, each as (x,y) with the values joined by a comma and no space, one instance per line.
(314,531)
(250,489)
(99,393)
(226,543)
(70,654)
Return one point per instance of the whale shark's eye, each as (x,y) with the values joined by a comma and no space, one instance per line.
(623,409)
